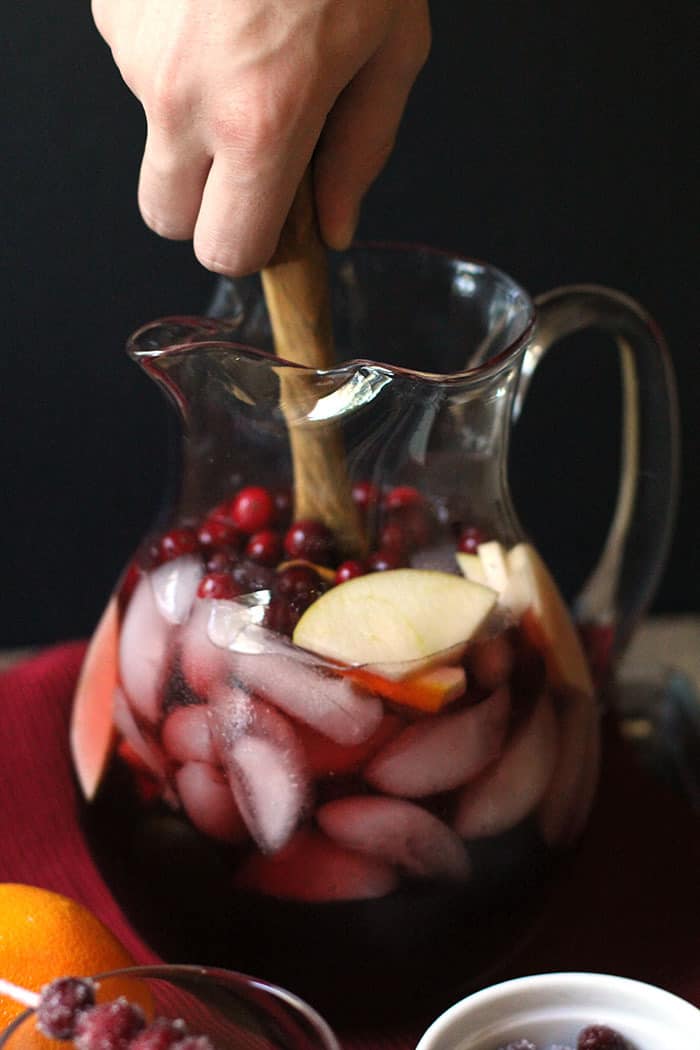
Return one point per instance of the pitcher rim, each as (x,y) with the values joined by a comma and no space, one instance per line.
(484,370)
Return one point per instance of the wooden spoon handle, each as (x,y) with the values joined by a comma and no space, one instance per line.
(295,283)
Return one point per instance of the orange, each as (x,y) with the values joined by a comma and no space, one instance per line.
(44,935)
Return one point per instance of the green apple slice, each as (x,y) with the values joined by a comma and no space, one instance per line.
(547,621)
(398,621)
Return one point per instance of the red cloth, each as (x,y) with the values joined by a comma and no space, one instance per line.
(630,903)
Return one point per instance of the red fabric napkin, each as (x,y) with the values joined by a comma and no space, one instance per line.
(629,904)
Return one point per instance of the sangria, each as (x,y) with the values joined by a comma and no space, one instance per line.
(349,758)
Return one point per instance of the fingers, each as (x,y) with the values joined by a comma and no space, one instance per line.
(171,184)
(361,129)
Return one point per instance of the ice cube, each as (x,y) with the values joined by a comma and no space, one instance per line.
(186,735)
(508,790)
(301,685)
(206,798)
(265,764)
(143,651)
(203,664)
(313,868)
(326,758)
(147,749)
(566,802)
(397,832)
(441,752)
(175,586)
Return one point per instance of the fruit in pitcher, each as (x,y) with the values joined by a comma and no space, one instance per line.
(401,616)
(547,623)
(92,729)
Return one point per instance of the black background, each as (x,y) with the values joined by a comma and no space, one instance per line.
(555,140)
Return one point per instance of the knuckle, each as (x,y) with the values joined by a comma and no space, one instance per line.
(255,124)
(166,98)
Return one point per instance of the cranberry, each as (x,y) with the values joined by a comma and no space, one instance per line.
(220,561)
(600,1037)
(310,540)
(218,585)
(283,501)
(221,512)
(109,1026)
(386,558)
(402,496)
(348,570)
(60,1005)
(281,616)
(177,542)
(253,509)
(265,547)
(394,537)
(298,581)
(251,576)
(215,532)
(161,1034)
(365,495)
(469,539)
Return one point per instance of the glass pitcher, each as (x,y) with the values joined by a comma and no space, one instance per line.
(336,725)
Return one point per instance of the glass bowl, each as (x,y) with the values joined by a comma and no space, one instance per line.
(233,1009)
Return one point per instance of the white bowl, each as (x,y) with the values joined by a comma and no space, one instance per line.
(553,1007)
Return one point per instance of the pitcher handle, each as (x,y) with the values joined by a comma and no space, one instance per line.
(622,583)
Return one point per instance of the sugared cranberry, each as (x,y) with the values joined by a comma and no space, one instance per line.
(365,495)
(215,532)
(284,501)
(161,1034)
(348,570)
(601,1037)
(265,547)
(109,1026)
(253,509)
(386,558)
(60,1005)
(218,585)
(298,581)
(310,540)
(251,576)
(469,539)
(177,542)
(402,496)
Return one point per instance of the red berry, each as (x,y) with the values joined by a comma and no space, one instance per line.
(265,547)
(253,509)
(394,537)
(177,542)
(365,494)
(281,616)
(310,540)
(600,1037)
(386,558)
(60,1005)
(348,570)
(402,496)
(109,1026)
(221,512)
(283,501)
(215,532)
(218,585)
(252,576)
(220,561)
(161,1034)
(298,581)
(469,539)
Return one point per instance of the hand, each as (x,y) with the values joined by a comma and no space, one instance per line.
(239,93)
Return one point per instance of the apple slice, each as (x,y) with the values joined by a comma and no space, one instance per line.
(92,733)
(494,562)
(547,623)
(471,566)
(400,621)
(428,691)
